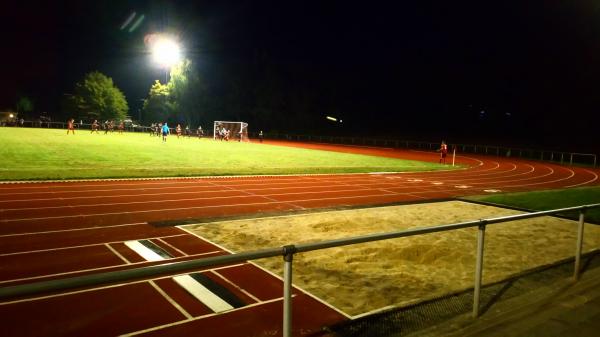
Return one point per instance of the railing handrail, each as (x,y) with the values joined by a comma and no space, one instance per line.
(531,153)
(175,267)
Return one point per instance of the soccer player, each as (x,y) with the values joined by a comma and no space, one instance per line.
(95,126)
(443,152)
(165,132)
(178,130)
(71,126)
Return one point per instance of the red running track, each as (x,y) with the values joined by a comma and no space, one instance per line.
(58,229)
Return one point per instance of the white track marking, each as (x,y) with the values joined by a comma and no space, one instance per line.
(256,299)
(79,246)
(587,182)
(99,288)
(246,195)
(168,325)
(100,268)
(496,183)
(268,271)
(253,194)
(191,208)
(202,294)
(143,251)
(260,187)
(170,300)
(171,246)
(74,229)
(117,253)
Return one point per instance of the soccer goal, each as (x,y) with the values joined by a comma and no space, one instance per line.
(236,131)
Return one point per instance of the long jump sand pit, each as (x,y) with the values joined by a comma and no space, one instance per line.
(367,277)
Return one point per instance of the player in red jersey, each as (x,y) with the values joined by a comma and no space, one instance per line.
(443,152)
(71,126)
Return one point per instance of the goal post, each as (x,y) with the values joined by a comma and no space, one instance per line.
(236,131)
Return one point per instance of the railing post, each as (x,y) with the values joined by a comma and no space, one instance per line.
(288,256)
(579,244)
(478,268)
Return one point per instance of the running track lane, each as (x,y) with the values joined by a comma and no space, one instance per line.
(48,226)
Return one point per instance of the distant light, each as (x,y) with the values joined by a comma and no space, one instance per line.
(165,51)
(11,116)
(341,120)
(482,112)
(332,118)
(508,114)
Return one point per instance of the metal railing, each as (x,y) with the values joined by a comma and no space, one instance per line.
(562,157)
(288,253)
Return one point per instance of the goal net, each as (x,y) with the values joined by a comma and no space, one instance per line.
(237,131)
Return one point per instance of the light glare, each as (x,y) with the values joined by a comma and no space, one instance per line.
(166,52)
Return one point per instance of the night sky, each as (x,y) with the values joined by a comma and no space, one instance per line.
(524,72)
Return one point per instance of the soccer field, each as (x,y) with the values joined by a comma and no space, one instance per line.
(52,154)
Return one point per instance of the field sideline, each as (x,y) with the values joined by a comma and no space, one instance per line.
(37,154)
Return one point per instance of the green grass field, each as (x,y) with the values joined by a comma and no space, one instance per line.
(34,154)
(546,200)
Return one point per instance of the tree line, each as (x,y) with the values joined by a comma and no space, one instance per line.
(266,97)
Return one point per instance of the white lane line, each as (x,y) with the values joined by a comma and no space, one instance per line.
(253,194)
(243,194)
(79,246)
(168,325)
(172,247)
(133,264)
(265,269)
(77,188)
(74,229)
(586,182)
(170,300)
(260,187)
(200,292)
(191,208)
(143,251)
(256,299)
(117,253)
(105,287)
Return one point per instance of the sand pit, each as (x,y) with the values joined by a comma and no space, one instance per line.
(366,277)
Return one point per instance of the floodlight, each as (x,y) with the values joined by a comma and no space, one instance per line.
(166,52)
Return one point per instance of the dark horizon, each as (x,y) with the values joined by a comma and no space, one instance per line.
(513,71)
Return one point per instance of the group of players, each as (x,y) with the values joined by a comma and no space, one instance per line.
(107,126)
(158,129)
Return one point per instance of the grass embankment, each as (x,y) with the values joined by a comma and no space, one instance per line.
(29,154)
(546,200)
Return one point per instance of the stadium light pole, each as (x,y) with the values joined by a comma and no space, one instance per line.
(166,53)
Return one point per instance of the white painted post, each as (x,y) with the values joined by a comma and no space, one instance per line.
(579,246)
(453,156)
(287,292)
(478,269)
